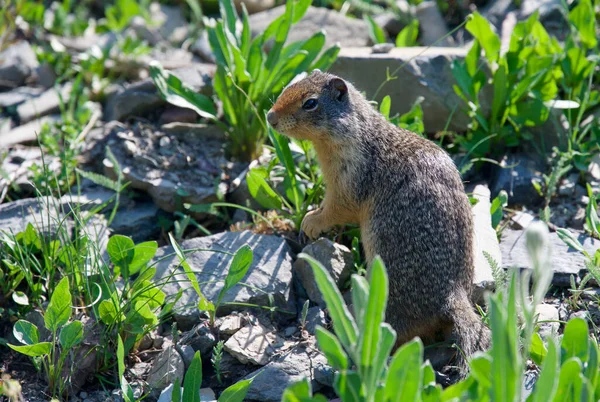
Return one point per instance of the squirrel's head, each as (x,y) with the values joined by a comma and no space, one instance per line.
(310,105)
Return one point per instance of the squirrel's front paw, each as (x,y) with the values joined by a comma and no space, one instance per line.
(312,224)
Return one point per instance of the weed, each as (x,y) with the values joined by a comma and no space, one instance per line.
(216,358)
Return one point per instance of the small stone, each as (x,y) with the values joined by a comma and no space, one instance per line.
(515,175)
(187,353)
(382,48)
(580,314)
(578,219)
(254,6)
(167,366)
(147,342)
(231,324)
(432,25)
(206,394)
(140,369)
(547,312)
(337,260)
(314,317)
(290,331)
(83,394)
(324,374)
(200,339)
(253,344)
(568,184)
(18,61)
(522,220)
(593,172)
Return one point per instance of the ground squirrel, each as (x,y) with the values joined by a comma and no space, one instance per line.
(408,198)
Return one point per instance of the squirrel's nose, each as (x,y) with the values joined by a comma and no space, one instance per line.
(272,118)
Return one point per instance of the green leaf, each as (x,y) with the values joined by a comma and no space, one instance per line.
(206,305)
(481,29)
(193,380)
(408,35)
(108,312)
(120,250)
(500,91)
(326,59)
(59,308)
(242,260)
(25,332)
(570,240)
(261,191)
(348,386)
(360,298)
(375,31)
(142,254)
(101,180)
(120,356)
(343,324)
(176,394)
(568,379)
(301,391)
(583,17)
(71,334)
(371,332)
(496,210)
(537,350)
(405,372)
(35,350)
(332,349)
(236,392)
(575,340)
(545,386)
(384,107)
(174,91)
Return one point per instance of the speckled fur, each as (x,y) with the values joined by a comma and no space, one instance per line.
(407,196)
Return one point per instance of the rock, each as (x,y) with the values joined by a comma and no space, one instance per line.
(45,76)
(324,374)
(201,48)
(551,15)
(167,366)
(206,131)
(593,172)
(515,175)
(496,11)
(187,353)
(200,338)
(394,22)
(339,28)
(565,261)
(578,219)
(16,167)
(206,394)
(486,242)
(314,317)
(17,63)
(432,26)
(48,102)
(567,187)
(141,98)
(172,24)
(269,275)
(231,324)
(178,114)
(521,220)
(82,363)
(27,132)
(426,74)
(547,312)
(18,95)
(276,376)
(382,47)
(336,259)
(254,6)
(253,344)
(138,221)
(43,213)
(171,169)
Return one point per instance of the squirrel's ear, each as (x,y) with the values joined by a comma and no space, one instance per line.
(340,86)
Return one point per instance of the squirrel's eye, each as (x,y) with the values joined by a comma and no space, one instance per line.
(310,104)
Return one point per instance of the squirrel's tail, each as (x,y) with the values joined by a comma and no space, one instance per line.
(470,333)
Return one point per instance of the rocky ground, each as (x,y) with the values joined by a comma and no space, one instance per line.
(171,157)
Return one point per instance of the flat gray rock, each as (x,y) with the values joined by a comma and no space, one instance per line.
(17,63)
(565,260)
(48,102)
(339,29)
(292,367)
(270,274)
(426,74)
(18,95)
(27,132)
(44,214)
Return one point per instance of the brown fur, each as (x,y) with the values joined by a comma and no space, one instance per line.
(406,195)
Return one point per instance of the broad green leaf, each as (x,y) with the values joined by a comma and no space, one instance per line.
(583,17)
(25,332)
(174,91)
(481,29)
(120,251)
(546,384)
(496,210)
(242,260)
(176,394)
(568,381)
(37,349)
(570,240)
(300,8)
(229,14)
(343,324)
(301,391)
(375,31)
(405,372)
(360,298)
(151,295)
(537,350)
(387,341)
(348,386)
(59,309)
(108,312)
(120,356)
(71,334)
(481,370)
(236,392)
(384,107)
(575,340)
(332,349)
(142,254)
(408,35)
(500,91)
(261,191)
(193,380)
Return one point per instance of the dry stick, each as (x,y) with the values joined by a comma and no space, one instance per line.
(417,55)
(88,127)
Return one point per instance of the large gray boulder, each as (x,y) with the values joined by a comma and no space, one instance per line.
(269,276)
